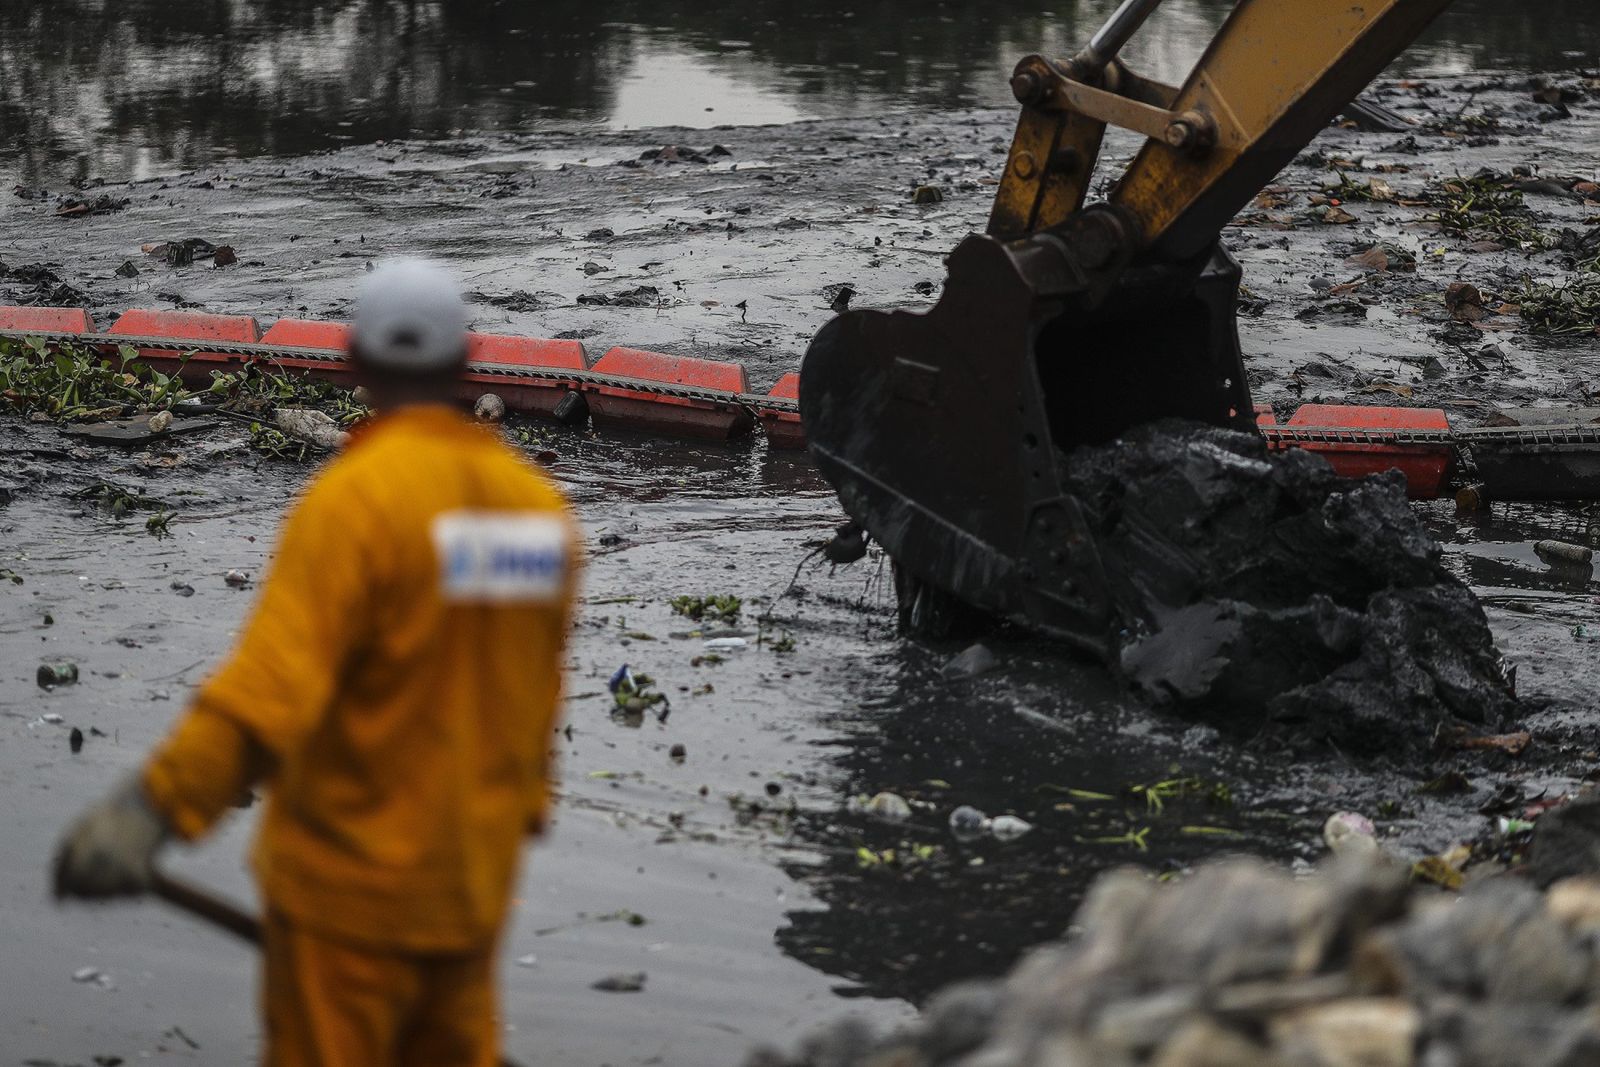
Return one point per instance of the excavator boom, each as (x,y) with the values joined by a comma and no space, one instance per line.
(1066,323)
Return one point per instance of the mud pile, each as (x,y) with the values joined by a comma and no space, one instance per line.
(1266,594)
(1241,966)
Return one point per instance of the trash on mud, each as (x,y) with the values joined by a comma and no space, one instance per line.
(891,807)
(75,740)
(1446,869)
(51,675)
(1512,744)
(92,976)
(224,256)
(1008,827)
(179,253)
(182,588)
(644,296)
(1377,258)
(634,694)
(311,426)
(1267,596)
(927,194)
(490,408)
(73,208)
(838,295)
(127,270)
(970,662)
(45,287)
(237,579)
(968,823)
(677,153)
(1238,964)
(1464,301)
(138,431)
(724,644)
(621,983)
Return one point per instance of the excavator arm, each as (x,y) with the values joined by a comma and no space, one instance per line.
(1067,323)
(1274,76)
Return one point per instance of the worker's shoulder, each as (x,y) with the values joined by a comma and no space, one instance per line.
(404,466)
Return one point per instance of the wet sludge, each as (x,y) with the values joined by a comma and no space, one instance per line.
(1265,594)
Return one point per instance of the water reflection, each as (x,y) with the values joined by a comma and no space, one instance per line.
(124,88)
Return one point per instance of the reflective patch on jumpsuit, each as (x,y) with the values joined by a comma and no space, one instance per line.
(500,557)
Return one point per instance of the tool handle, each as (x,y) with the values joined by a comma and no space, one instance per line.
(223,914)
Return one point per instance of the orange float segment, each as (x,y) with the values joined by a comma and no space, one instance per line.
(537,396)
(620,405)
(788,387)
(1360,417)
(784,429)
(559,354)
(308,333)
(187,326)
(1426,466)
(678,370)
(45,320)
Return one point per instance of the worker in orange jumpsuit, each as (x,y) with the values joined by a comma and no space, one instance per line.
(396,690)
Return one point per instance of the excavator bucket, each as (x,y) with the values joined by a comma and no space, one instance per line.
(942,431)
(1068,324)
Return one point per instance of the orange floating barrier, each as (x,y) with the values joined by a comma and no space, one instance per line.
(538,396)
(718,414)
(45,320)
(1425,464)
(187,326)
(784,429)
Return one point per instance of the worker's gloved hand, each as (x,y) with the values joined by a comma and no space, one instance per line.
(109,851)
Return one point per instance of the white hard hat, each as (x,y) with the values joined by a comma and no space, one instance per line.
(410,319)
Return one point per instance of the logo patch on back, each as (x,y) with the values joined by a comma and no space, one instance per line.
(500,557)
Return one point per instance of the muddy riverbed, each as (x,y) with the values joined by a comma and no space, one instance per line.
(767,898)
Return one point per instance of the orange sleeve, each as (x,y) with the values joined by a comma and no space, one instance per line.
(315,607)
(201,771)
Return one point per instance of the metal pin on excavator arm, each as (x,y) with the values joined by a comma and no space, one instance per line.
(1067,324)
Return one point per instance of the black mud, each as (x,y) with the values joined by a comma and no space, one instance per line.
(1268,596)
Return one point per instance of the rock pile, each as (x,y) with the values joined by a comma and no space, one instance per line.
(1243,966)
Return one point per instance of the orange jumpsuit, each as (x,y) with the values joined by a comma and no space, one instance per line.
(396,687)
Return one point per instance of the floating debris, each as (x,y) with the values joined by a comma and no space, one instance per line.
(51,675)
(621,983)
